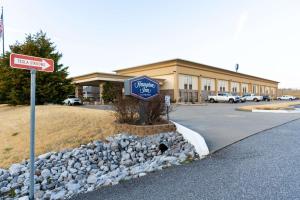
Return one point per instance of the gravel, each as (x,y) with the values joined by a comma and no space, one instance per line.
(61,175)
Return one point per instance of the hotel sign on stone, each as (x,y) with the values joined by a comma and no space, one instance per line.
(142,87)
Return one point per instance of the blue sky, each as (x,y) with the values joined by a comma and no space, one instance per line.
(263,36)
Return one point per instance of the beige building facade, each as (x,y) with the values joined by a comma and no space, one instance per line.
(185,81)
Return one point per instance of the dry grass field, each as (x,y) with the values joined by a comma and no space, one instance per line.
(273,106)
(57,128)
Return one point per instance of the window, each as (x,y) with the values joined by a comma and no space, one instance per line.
(207,88)
(234,89)
(207,85)
(254,89)
(188,82)
(244,90)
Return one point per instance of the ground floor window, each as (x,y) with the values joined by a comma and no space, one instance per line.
(222,89)
(207,88)
(254,89)
(244,90)
(188,96)
(234,89)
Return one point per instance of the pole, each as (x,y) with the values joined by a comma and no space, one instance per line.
(32,132)
(168,118)
(2,32)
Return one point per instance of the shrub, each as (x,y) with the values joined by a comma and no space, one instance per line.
(126,108)
(155,109)
(134,111)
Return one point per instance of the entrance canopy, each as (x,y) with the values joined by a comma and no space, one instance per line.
(88,83)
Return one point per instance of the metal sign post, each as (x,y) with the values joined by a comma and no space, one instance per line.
(168,104)
(33,64)
(32,132)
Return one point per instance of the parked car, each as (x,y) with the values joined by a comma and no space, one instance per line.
(252,97)
(224,97)
(72,100)
(243,99)
(266,98)
(286,97)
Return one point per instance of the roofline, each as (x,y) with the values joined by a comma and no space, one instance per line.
(109,74)
(148,65)
(179,61)
(103,73)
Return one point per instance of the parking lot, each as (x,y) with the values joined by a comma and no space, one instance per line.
(220,124)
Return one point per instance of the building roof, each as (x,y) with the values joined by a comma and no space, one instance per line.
(186,62)
(94,77)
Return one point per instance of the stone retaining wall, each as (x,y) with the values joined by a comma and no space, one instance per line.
(144,130)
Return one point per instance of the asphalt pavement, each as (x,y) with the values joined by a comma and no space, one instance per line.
(263,166)
(221,125)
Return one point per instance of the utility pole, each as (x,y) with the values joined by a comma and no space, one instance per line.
(2,24)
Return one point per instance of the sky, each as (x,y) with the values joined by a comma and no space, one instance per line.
(262,36)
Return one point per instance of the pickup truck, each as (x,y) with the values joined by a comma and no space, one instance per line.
(286,97)
(252,97)
(223,97)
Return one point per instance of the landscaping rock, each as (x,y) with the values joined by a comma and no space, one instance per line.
(61,175)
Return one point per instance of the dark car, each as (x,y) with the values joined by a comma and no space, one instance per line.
(266,98)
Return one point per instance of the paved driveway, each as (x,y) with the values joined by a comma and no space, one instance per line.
(264,166)
(220,124)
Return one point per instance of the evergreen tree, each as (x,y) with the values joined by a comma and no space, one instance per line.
(15,83)
(111,91)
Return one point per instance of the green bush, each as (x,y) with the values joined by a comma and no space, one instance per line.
(111,91)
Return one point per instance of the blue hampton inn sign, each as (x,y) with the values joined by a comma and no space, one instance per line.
(142,87)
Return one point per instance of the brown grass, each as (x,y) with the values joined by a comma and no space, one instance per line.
(57,128)
(273,106)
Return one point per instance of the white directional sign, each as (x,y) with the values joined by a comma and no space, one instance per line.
(29,62)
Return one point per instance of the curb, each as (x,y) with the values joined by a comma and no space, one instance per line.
(277,111)
(257,133)
(194,138)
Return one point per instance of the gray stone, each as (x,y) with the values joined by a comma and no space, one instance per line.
(73,187)
(4,176)
(92,179)
(3,184)
(46,173)
(142,174)
(64,174)
(125,156)
(114,146)
(4,189)
(45,156)
(72,170)
(124,143)
(58,195)
(77,165)
(15,169)
(24,198)
(113,167)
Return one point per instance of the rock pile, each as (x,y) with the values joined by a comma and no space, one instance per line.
(60,175)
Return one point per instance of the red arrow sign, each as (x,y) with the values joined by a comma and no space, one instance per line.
(29,62)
